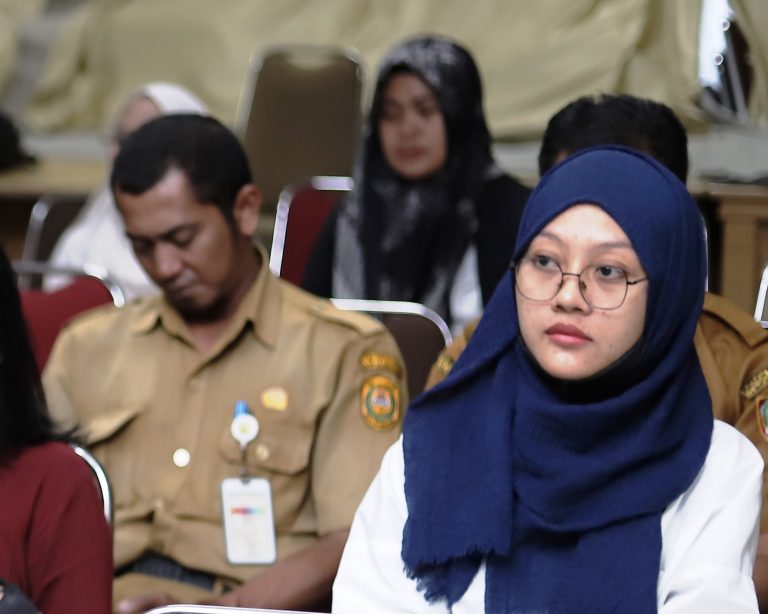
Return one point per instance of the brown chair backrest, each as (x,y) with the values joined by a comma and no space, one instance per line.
(302,211)
(299,115)
(420,333)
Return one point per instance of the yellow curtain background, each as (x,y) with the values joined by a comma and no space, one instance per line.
(534,56)
(753,20)
(13,13)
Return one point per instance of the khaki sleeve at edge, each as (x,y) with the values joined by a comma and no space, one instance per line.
(348,450)
(732,357)
(56,384)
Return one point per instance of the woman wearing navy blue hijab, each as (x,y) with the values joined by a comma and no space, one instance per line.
(569,463)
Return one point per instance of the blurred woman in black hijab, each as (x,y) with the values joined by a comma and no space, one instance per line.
(431,213)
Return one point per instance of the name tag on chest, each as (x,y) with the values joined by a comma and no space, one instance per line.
(249,526)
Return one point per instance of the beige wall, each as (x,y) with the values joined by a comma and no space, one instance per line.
(534,56)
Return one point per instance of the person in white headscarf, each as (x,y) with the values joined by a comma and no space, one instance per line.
(97,235)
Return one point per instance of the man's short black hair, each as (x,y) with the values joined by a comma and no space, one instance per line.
(639,123)
(208,153)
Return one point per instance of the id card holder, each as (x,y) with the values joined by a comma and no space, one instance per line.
(249,525)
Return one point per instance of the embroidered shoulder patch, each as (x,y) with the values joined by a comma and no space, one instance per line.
(377,360)
(755,385)
(380,403)
(444,363)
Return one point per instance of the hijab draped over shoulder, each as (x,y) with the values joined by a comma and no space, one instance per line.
(404,240)
(562,494)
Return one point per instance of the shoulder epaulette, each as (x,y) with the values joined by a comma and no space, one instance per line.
(357,320)
(734,317)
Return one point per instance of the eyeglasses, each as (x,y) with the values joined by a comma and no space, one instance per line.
(603,286)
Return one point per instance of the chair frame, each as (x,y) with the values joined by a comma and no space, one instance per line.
(38,216)
(761,292)
(418,369)
(31,267)
(102,479)
(322,183)
(395,307)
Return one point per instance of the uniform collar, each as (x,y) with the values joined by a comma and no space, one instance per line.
(259,311)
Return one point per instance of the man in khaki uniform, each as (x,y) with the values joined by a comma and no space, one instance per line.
(155,386)
(732,347)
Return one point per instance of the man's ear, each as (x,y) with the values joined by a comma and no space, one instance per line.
(247,208)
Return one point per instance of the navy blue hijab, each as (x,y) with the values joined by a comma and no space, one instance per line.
(563,499)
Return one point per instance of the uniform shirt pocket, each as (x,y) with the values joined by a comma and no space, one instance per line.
(104,437)
(280,454)
(285,452)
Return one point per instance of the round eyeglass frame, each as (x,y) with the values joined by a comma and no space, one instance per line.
(581,284)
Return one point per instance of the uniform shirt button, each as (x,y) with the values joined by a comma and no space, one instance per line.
(158,505)
(181,457)
(262,452)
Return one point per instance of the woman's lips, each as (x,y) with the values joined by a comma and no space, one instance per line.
(567,335)
(410,153)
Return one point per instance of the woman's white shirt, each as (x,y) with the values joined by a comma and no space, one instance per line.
(466,297)
(709,540)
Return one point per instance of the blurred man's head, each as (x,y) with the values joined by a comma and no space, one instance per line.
(183,186)
(639,123)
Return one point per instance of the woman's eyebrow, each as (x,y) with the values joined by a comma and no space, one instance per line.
(615,245)
(549,235)
(425,98)
(600,244)
(416,100)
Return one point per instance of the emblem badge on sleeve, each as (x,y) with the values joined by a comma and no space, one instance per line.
(380,402)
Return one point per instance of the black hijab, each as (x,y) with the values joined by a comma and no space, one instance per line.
(398,239)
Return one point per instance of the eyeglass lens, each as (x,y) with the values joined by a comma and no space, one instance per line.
(540,279)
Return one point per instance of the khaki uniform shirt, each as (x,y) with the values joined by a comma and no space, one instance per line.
(733,352)
(326,387)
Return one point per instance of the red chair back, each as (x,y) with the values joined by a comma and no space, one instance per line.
(46,313)
(301,213)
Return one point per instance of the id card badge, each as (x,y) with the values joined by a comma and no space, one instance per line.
(249,526)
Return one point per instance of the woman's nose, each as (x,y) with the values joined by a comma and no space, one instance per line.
(570,296)
(409,124)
